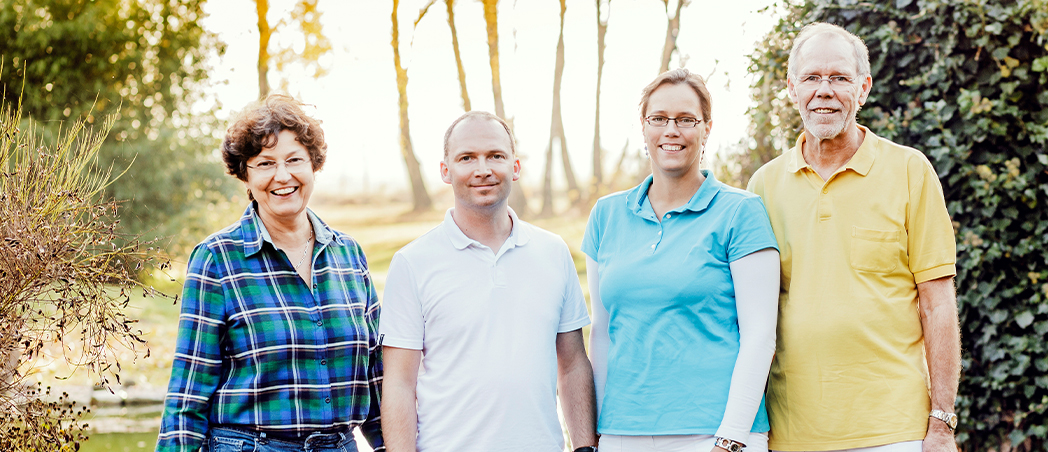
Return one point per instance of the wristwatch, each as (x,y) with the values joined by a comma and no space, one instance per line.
(586,449)
(729,445)
(949,418)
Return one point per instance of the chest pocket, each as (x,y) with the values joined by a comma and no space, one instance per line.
(874,250)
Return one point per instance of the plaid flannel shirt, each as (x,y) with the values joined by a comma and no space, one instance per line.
(257,348)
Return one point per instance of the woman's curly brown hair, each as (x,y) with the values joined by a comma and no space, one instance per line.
(259,124)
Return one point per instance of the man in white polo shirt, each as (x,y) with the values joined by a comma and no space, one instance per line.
(492,309)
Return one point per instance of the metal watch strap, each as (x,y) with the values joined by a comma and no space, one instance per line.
(950,419)
(729,445)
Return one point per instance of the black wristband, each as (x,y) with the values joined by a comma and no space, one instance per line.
(586,449)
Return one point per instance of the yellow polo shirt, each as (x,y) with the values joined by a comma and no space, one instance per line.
(849,368)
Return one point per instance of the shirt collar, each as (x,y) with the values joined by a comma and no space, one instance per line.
(517,236)
(635,198)
(255,232)
(861,162)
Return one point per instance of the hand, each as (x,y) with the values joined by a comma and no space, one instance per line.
(719,449)
(939,437)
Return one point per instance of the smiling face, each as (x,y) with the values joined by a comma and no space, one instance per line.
(281,194)
(675,151)
(480,165)
(826,110)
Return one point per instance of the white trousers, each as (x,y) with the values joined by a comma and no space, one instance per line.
(757,442)
(905,446)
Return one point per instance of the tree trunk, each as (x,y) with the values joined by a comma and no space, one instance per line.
(574,193)
(492,22)
(264,32)
(517,200)
(672,29)
(598,166)
(458,56)
(556,130)
(547,180)
(419,196)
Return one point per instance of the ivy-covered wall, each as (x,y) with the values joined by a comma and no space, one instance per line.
(966,82)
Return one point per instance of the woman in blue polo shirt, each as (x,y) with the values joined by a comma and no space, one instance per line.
(684,278)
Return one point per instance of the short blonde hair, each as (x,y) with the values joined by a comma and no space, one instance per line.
(679,77)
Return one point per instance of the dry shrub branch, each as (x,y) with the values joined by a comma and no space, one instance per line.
(66,275)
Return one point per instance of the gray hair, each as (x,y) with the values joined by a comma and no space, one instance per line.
(478,114)
(862,54)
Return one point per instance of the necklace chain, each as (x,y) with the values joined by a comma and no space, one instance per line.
(305,249)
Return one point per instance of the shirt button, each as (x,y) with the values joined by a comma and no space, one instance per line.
(667,216)
(653,247)
(327,399)
(323,362)
(660,232)
(825,191)
(320,323)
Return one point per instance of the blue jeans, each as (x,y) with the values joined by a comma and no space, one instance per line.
(229,440)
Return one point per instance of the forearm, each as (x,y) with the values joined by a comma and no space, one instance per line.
(399,419)
(577,400)
(399,410)
(756,281)
(941,340)
(575,386)
(599,338)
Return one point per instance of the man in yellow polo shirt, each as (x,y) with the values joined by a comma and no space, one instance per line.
(868,352)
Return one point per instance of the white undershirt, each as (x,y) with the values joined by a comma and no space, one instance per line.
(756,281)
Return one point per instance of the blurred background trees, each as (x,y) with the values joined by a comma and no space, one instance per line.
(964,82)
(145,63)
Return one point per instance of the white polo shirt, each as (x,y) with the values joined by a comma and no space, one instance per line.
(487,325)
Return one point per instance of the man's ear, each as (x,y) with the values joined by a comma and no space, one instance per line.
(516,169)
(445,174)
(792,91)
(867,86)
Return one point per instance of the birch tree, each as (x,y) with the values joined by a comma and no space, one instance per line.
(672,29)
(419,196)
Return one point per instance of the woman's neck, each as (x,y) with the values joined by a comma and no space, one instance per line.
(288,231)
(668,192)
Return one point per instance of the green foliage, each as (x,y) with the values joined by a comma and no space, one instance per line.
(143,61)
(963,81)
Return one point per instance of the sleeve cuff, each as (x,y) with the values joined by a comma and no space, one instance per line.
(397,342)
(941,271)
(572,326)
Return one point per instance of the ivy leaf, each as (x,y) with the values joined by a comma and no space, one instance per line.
(1024,320)
(1040,64)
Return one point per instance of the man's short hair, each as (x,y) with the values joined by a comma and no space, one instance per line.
(479,114)
(862,54)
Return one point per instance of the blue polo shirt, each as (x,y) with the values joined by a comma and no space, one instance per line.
(668,290)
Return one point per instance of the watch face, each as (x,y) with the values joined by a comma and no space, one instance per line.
(952,421)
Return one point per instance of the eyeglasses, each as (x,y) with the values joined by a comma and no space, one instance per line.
(683,123)
(293,164)
(836,81)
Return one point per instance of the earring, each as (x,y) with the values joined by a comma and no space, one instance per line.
(646,150)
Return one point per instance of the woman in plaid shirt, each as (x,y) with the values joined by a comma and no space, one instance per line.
(277,341)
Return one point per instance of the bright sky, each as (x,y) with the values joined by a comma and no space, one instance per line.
(357,100)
